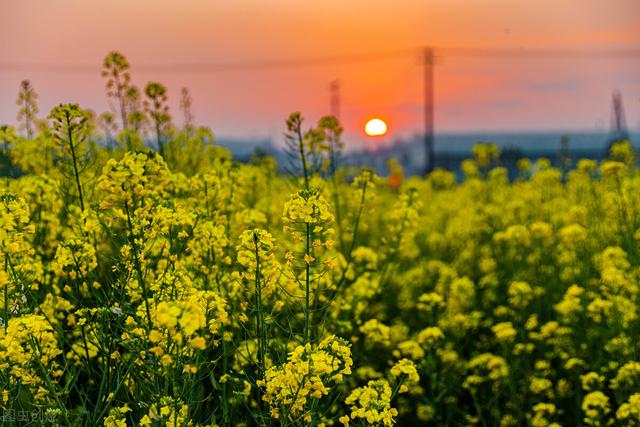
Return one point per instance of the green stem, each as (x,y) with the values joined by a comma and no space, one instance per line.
(259,319)
(6,296)
(75,162)
(307,290)
(303,158)
(356,224)
(159,139)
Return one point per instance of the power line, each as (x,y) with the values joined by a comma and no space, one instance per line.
(266,64)
(522,53)
(220,66)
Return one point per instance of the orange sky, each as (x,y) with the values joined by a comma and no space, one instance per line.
(471,94)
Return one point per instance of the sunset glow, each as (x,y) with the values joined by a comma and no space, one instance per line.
(480,92)
(375,127)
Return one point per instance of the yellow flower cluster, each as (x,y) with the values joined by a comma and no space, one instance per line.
(596,407)
(75,259)
(190,289)
(376,332)
(28,353)
(255,254)
(404,371)
(372,404)
(14,225)
(131,179)
(168,412)
(308,207)
(306,377)
(486,367)
(629,412)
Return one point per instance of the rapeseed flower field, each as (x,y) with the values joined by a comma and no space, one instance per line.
(187,289)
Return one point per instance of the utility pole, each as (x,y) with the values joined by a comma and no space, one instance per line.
(619,130)
(618,121)
(428,62)
(334,89)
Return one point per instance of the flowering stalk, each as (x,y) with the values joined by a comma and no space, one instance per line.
(306,216)
(70,129)
(136,261)
(366,179)
(75,163)
(296,143)
(260,335)
(5,316)
(303,158)
(307,283)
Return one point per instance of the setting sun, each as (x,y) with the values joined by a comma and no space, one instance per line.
(375,127)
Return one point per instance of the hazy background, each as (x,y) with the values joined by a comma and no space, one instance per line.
(39,38)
